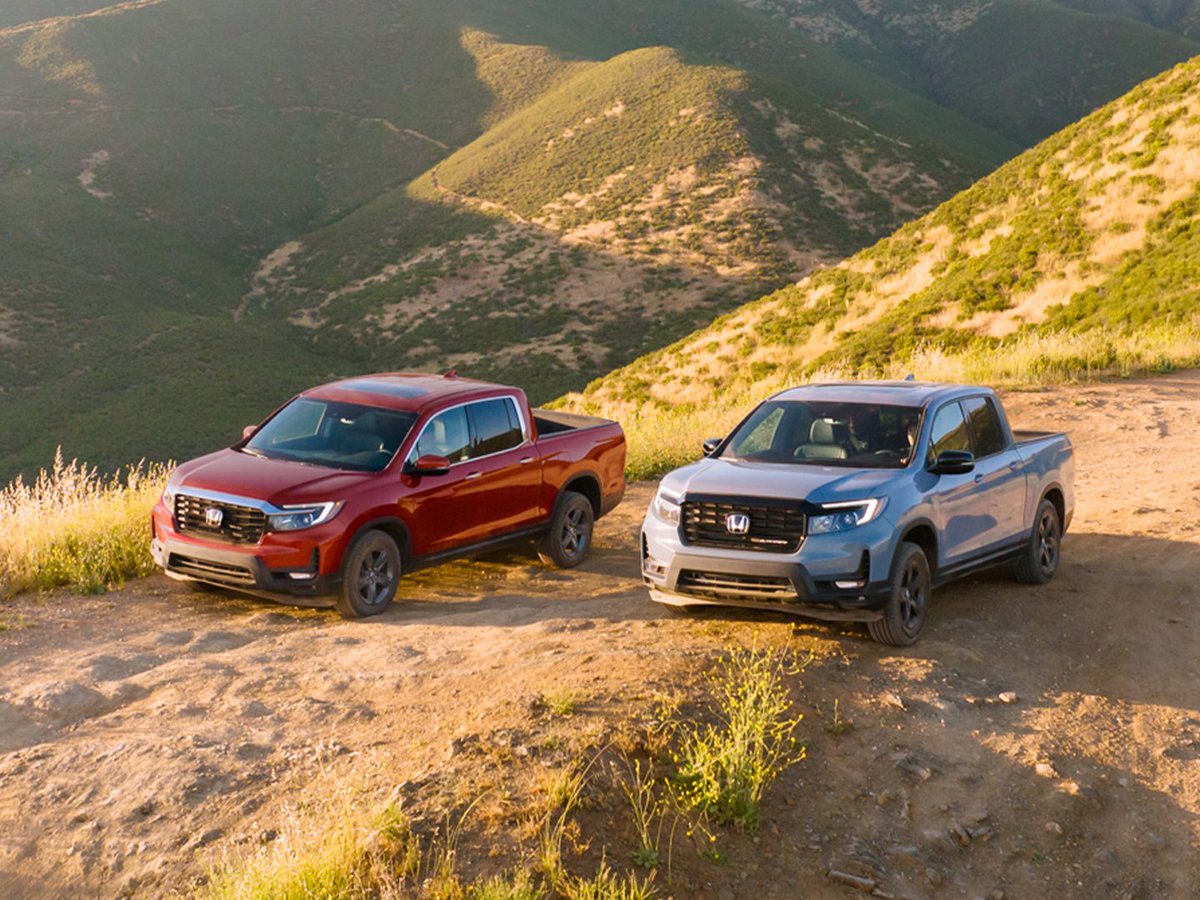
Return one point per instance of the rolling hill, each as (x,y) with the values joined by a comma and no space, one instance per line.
(1081,254)
(205,206)
(1024,68)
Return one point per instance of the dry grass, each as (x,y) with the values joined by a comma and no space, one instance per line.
(74,527)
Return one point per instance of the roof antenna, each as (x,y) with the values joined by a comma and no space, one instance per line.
(453,373)
(909,377)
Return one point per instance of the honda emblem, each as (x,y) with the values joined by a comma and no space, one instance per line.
(737,523)
(213,517)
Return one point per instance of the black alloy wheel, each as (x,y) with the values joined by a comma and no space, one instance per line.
(907,605)
(370,576)
(569,539)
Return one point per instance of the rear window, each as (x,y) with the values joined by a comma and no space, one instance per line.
(985,426)
(497,426)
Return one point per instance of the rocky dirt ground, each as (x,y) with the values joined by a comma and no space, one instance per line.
(1037,742)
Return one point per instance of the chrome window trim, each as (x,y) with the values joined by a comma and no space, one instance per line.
(525,439)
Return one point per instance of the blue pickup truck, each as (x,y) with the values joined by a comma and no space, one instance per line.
(852,501)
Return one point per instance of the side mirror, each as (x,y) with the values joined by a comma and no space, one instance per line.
(711,444)
(953,462)
(428,465)
(248,432)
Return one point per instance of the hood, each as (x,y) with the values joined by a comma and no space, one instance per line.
(816,484)
(273,480)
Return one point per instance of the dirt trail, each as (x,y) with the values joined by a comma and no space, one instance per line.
(145,733)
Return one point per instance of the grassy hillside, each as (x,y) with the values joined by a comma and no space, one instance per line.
(677,188)
(1081,255)
(1023,68)
(208,205)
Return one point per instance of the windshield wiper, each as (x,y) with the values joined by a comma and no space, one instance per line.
(253,452)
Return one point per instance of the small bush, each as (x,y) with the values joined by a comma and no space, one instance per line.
(724,769)
(560,702)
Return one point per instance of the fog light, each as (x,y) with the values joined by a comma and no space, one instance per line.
(652,566)
(848,585)
(301,576)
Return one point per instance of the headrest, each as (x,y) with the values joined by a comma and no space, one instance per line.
(827,431)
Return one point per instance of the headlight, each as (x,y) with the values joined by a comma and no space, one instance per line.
(168,494)
(844,516)
(666,508)
(304,515)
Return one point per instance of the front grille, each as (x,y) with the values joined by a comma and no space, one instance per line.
(720,586)
(208,570)
(776,526)
(239,524)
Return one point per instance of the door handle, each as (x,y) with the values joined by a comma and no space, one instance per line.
(1012,467)
(525,459)
(473,475)
(978,477)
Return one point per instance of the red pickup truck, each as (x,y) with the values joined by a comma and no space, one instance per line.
(352,483)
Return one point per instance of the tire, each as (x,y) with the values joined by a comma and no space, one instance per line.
(569,539)
(1039,560)
(909,587)
(370,575)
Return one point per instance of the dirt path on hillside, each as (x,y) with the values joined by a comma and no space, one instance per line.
(146,733)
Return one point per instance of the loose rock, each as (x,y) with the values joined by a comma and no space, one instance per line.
(855,881)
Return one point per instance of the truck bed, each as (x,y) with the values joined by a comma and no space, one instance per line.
(1024,437)
(551,422)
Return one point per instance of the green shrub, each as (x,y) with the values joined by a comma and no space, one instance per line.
(725,768)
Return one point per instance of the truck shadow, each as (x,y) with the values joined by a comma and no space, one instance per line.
(1122,612)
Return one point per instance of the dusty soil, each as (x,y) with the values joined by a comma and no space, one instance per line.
(147,733)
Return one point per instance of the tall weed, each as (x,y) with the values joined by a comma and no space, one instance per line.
(73,527)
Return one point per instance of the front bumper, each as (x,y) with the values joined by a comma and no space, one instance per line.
(242,571)
(840,577)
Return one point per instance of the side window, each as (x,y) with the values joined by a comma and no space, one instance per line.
(949,431)
(985,426)
(497,426)
(446,435)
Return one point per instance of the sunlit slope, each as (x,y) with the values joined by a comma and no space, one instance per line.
(1091,240)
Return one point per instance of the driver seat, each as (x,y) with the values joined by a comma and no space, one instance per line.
(827,439)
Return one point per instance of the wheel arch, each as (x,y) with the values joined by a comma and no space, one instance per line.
(1054,493)
(587,484)
(393,527)
(924,535)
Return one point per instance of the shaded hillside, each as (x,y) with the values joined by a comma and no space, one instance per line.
(1091,239)
(1024,68)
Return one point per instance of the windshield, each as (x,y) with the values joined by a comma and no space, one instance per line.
(333,434)
(853,435)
